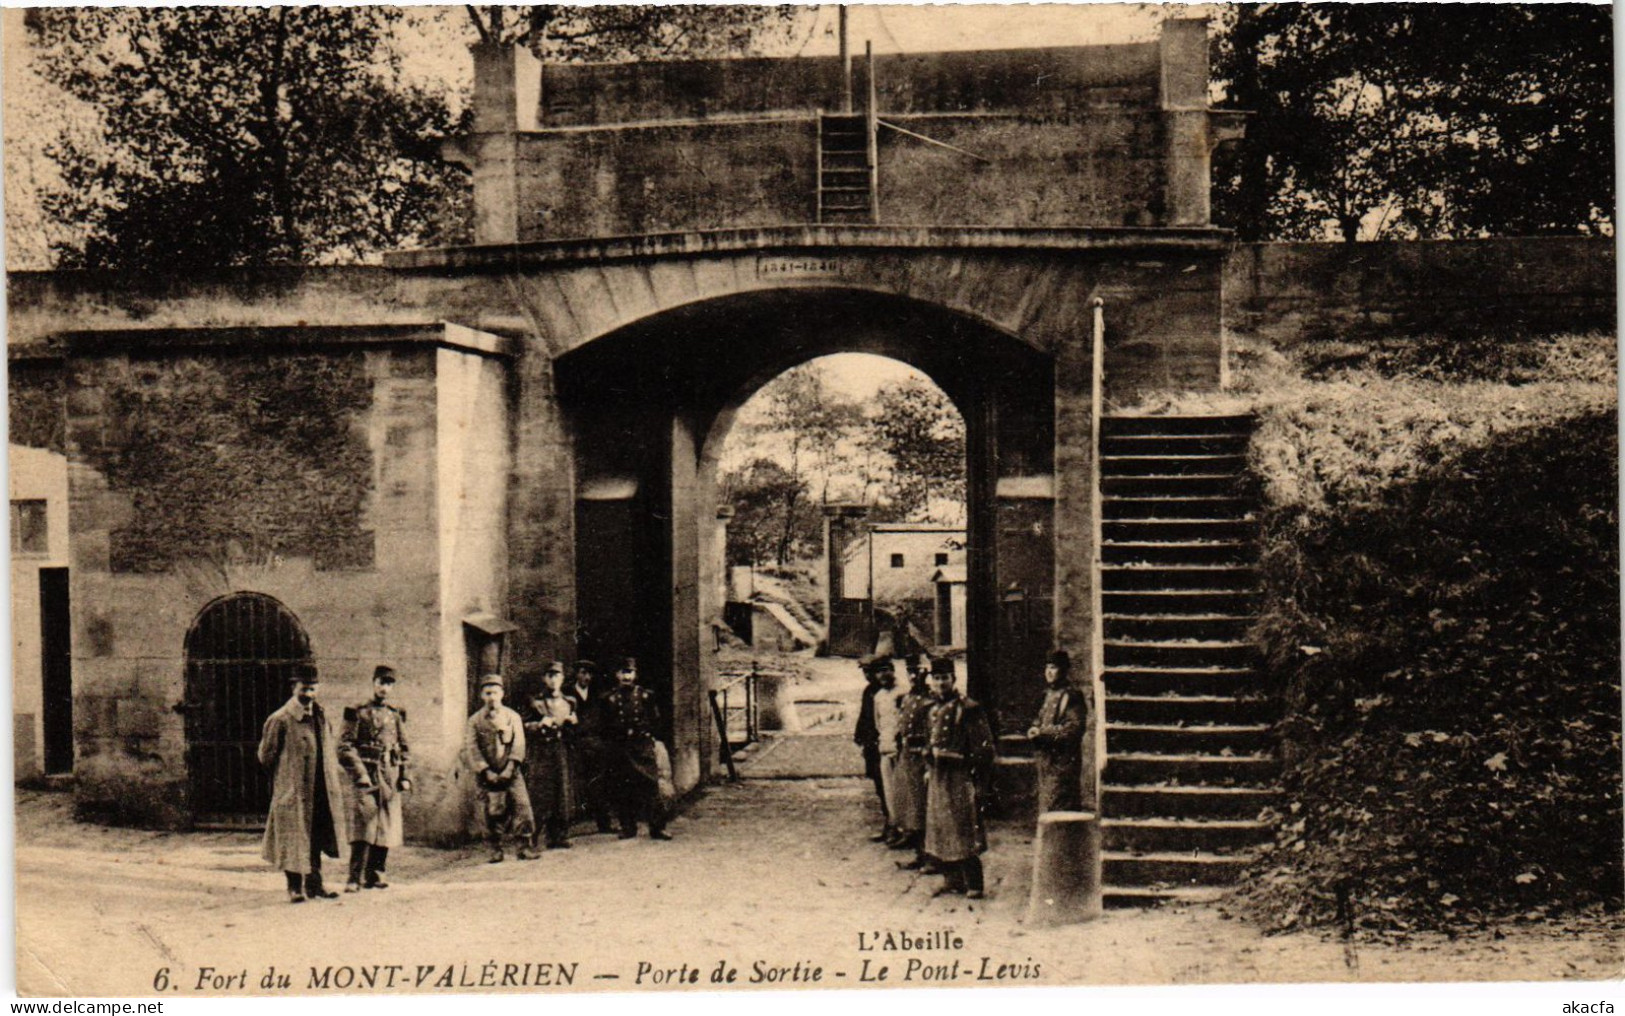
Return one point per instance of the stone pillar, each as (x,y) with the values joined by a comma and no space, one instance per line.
(691,648)
(841,525)
(1074,531)
(507,97)
(1192,130)
(1066,869)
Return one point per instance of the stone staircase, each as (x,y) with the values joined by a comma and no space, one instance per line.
(846,169)
(1189,762)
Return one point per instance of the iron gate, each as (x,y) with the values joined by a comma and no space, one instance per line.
(240,654)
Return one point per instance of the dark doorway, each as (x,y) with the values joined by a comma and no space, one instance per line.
(240,655)
(56,670)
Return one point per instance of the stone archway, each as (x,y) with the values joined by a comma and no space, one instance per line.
(647,408)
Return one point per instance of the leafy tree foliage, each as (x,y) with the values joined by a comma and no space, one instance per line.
(255,135)
(236,135)
(564,33)
(1418,120)
(774,518)
(924,435)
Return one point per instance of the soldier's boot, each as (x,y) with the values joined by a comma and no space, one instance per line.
(314,888)
(358,860)
(494,841)
(528,848)
(953,880)
(377,858)
(657,830)
(972,869)
(296,887)
(558,834)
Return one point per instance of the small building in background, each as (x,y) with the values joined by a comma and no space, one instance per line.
(897,562)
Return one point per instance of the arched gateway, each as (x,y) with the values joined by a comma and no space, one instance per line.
(506,451)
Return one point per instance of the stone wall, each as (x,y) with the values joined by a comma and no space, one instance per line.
(1029,80)
(1294,292)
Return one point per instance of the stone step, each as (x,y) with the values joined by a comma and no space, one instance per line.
(1178,601)
(1176,507)
(1121,801)
(1138,769)
(854,161)
(1176,552)
(1172,869)
(1115,897)
(1186,739)
(855,177)
(844,200)
(1182,834)
(1170,465)
(1190,485)
(1183,681)
(849,215)
(1153,709)
(1171,530)
(1174,444)
(1127,653)
(1167,578)
(1177,627)
(1216,423)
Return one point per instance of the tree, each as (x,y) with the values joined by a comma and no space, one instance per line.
(258,135)
(925,436)
(769,501)
(1417,120)
(563,33)
(234,135)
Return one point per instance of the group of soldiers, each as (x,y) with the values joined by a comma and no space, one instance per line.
(931,753)
(575,748)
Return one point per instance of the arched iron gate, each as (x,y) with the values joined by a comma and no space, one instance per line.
(240,653)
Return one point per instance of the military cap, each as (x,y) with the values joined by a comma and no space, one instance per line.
(629,663)
(304,673)
(942,666)
(491,679)
(384,672)
(589,666)
(1060,659)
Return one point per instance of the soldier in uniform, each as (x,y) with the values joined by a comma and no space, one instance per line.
(908,777)
(373,751)
(549,719)
(587,763)
(494,750)
(866,735)
(630,719)
(307,792)
(1057,737)
(962,753)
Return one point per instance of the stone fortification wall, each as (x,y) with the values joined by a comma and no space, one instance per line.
(1031,81)
(1293,292)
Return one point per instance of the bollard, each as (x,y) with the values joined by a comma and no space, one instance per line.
(1066,869)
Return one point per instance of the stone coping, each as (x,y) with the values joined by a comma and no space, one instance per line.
(139,341)
(543,253)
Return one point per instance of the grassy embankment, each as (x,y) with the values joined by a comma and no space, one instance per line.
(1440,550)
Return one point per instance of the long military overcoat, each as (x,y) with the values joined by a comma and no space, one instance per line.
(962,753)
(288,748)
(373,746)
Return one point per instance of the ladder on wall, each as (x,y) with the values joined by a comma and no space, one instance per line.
(846,169)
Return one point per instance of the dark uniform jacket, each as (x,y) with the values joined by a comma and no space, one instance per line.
(628,725)
(962,753)
(1057,747)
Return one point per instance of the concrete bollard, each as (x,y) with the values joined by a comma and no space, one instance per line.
(1066,869)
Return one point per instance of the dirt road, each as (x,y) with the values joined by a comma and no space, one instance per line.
(768,877)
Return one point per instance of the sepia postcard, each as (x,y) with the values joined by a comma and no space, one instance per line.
(519,500)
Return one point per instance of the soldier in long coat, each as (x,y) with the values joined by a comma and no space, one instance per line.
(1057,737)
(374,752)
(494,750)
(631,719)
(962,753)
(588,767)
(549,719)
(908,776)
(306,819)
